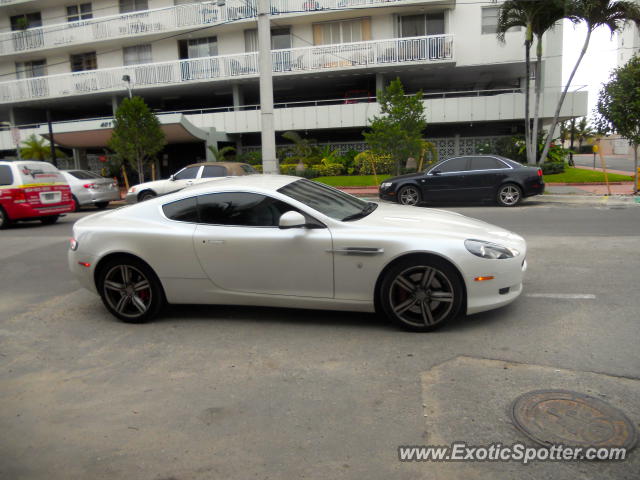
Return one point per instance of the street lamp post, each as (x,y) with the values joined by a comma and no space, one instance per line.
(268,134)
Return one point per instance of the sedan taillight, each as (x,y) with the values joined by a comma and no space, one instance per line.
(540,172)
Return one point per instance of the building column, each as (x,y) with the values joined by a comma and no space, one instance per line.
(456,143)
(239,145)
(80,159)
(238,96)
(115,103)
(380,84)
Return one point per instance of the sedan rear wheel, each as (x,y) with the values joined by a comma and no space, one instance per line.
(421,295)
(130,290)
(509,195)
(101,205)
(4,219)
(409,195)
(144,196)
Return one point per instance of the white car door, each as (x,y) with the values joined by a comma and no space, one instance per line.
(241,248)
(185,177)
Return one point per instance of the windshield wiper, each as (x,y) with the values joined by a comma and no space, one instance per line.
(369,207)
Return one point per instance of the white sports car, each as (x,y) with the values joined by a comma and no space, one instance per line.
(289,242)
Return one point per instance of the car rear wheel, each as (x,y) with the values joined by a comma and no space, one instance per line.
(509,195)
(146,196)
(409,195)
(421,294)
(76,204)
(101,205)
(50,220)
(130,290)
(5,221)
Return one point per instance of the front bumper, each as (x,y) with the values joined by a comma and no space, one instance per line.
(503,289)
(131,198)
(78,266)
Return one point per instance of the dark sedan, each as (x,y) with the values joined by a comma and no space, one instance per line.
(465,179)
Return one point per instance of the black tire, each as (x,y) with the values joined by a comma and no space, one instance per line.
(49,220)
(146,195)
(130,290)
(410,290)
(509,195)
(409,195)
(76,204)
(101,205)
(5,221)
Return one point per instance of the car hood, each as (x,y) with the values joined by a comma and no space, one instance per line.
(418,220)
(406,176)
(155,185)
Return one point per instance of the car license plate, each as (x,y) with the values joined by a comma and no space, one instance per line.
(50,197)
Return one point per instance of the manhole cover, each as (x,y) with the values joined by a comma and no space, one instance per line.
(553,417)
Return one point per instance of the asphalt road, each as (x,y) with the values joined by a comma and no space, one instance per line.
(624,164)
(228,392)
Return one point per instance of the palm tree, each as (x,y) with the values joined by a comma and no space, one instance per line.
(218,155)
(583,132)
(595,13)
(537,17)
(38,149)
(303,147)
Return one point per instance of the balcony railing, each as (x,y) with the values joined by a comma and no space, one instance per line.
(125,25)
(297,6)
(390,52)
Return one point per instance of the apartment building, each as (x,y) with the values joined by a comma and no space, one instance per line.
(196,65)
(628,42)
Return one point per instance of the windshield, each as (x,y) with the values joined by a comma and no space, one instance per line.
(327,200)
(84,175)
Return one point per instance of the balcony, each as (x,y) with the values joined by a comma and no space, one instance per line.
(146,22)
(358,55)
(303,6)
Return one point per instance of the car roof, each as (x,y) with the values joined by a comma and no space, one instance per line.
(215,163)
(259,181)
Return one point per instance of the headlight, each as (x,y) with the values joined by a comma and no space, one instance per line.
(384,185)
(490,250)
(132,190)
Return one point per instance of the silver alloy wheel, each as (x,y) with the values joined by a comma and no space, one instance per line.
(409,196)
(421,296)
(509,195)
(127,290)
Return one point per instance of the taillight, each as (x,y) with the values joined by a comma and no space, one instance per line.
(540,172)
(18,195)
(89,185)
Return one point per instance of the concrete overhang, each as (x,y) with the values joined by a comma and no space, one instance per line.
(96,133)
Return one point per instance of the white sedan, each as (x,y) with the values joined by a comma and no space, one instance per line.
(284,241)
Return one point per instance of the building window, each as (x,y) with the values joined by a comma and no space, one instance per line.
(342,31)
(280,39)
(84,61)
(80,11)
(127,6)
(31,69)
(490,19)
(198,47)
(137,54)
(25,21)
(421,25)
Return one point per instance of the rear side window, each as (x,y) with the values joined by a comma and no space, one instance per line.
(40,173)
(486,163)
(248,169)
(6,176)
(454,165)
(182,211)
(211,171)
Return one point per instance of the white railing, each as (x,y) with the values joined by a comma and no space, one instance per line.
(125,25)
(301,6)
(360,54)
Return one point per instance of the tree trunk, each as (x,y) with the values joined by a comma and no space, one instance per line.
(140,168)
(635,168)
(527,86)
(547,143)
(536,113)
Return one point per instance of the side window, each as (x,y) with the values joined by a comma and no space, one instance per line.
(241,209)
(211,171)
(182,211)
(187,173)
(6,177)
(249,170)
(486,163)
(454,165)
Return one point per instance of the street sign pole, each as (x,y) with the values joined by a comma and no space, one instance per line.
(268,135)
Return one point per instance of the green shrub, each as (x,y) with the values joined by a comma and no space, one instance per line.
(368,163)
(310,172)
(257,168)
(252,158)
(330,169)
(549,168)
(288,168)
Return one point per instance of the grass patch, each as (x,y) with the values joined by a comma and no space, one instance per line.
(578,175)
(353,180)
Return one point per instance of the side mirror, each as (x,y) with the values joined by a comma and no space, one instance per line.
(171,178)
(292,219)
(436,172)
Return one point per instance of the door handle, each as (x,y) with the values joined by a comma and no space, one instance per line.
(213,242)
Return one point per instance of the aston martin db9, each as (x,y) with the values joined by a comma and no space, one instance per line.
(284,241)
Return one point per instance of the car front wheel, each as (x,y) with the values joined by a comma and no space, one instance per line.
(421,294)
(409,195)
(509,195)
(130,290)
(144,196)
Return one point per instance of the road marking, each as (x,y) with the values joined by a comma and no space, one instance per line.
(563,296)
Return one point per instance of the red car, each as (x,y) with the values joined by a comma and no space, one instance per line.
(31,190)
